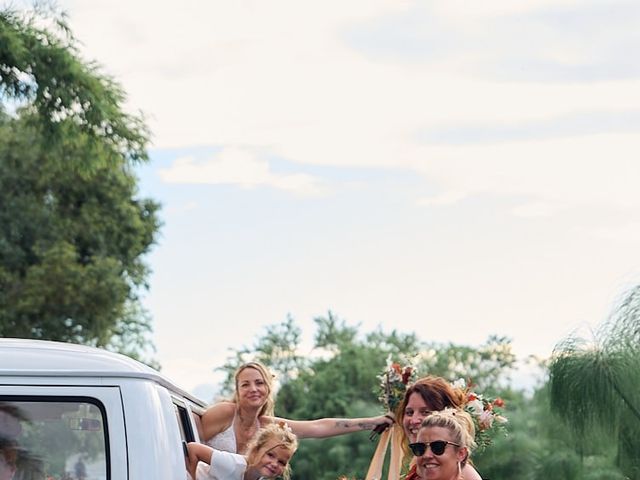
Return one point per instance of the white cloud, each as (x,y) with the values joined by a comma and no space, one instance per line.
(534,209)
(627,232)
(559,173)
(278,77)
(448,198)
(238,167)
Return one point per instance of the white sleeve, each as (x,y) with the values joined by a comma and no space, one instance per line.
(223,466)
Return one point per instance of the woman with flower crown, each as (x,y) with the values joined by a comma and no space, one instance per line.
(425,396)
(230,426)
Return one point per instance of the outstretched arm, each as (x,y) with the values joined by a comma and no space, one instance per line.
(330,427)
(197,453)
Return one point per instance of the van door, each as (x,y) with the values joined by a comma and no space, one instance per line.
(63,432)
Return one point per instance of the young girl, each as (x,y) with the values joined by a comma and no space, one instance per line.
(267,456)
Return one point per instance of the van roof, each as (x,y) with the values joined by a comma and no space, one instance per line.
(41,358)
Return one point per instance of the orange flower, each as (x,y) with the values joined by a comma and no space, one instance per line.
(406,375)
(498,402)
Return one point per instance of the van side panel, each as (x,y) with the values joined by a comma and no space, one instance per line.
(153,435)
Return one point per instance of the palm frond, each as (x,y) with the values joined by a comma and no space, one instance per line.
(580,376)
(595,385)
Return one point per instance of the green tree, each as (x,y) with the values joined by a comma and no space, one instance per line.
(486,366)
(277,349)
(595,385)
(72,228)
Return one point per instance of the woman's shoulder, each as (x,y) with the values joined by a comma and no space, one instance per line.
(470,473)
(217,418)
(221,408)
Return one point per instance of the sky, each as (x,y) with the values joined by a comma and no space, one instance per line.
(454,169)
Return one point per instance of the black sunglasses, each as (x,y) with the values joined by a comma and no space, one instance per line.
(437,447)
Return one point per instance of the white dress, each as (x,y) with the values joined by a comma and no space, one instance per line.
(225,440)
(222,466)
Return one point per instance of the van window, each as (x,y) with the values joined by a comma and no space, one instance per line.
(48,438)
(186,430)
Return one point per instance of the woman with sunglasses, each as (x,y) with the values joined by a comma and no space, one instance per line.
(443,445)
(425,396)
(231,425)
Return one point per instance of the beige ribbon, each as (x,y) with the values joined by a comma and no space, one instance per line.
(395,461)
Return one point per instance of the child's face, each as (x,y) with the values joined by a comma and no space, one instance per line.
(274,461)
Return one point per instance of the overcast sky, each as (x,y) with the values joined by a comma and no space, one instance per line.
(454,169)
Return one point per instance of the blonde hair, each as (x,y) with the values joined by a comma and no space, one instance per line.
(269,437)
(267,376)
(459,423)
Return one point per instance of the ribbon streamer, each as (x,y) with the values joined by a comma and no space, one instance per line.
(390,435)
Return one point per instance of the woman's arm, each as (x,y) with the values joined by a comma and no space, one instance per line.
(330,427)
(217,418)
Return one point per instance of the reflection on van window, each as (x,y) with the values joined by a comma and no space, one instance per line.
(52,440)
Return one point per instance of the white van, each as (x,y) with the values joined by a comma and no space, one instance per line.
(72,412)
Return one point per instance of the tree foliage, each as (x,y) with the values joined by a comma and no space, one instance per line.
(42,71)
(595,383)
(73,231)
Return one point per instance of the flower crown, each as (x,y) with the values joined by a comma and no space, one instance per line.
(486,413)
(285,426)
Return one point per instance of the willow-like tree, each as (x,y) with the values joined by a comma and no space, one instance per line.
(595,385)
(73,231)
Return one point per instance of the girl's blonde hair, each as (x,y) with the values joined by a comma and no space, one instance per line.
(269,437)
(267,376)
(459,423)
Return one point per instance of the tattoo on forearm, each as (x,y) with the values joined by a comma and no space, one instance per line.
(366,425)
(349,424)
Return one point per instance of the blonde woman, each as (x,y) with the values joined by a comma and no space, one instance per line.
(230,426)
(443,445)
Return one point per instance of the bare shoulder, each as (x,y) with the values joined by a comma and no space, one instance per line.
(470,473)
(217,417)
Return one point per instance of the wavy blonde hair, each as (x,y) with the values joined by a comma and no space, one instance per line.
(459,423)
(269,437)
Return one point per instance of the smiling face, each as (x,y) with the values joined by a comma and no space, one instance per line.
(415,412)
(251,388)
(439,467)
(273,463)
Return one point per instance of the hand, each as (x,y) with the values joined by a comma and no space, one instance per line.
(384,422)
(192,463)
(252,473)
